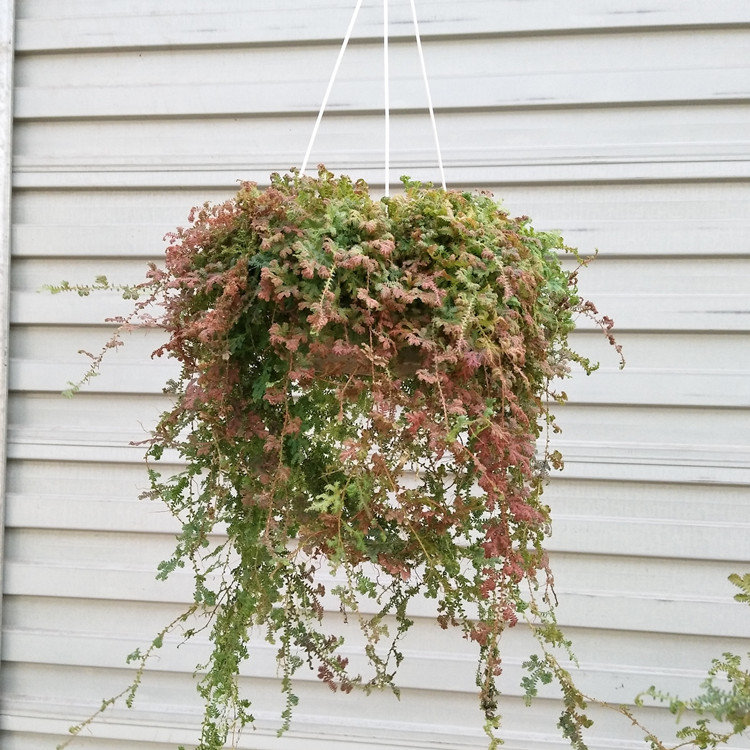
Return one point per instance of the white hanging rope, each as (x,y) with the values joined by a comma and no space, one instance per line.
(330,85)
(427,89)
(387,97)
(386,87)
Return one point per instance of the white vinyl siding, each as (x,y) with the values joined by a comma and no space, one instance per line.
(6,138)
(624,125)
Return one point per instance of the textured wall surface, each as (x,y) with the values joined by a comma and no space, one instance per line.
(624,125)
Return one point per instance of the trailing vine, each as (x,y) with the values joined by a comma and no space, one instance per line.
(723,708)
(363,387)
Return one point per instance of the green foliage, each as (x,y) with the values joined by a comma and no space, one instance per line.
(362,387)
(101,284)
(742,583)
(547,669)
(724,704)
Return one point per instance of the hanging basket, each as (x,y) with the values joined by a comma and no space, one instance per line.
(363,387)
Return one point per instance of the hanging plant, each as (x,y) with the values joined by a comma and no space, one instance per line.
(363,388)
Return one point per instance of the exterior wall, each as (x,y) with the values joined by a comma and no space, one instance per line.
(625,128)
(6,131)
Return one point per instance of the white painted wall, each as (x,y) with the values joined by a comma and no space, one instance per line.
(624,125)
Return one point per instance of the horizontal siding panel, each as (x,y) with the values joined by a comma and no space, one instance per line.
(626,461)
(663,295)
(62,344)
(447,720)
(655,444)
(605,136)
(490,91)
(631,443)
(634,220)
(87,415)
(549,71)
(646,387)
(661,386)
(494,177)
(421,670)
(642,220)
(34,739)
(594,517)
(94,208)
(514,144)
(607,653)
(66,429)
(43,25)
(45,359)
(663,369)
(62,241)
(39,481)
(171,714)
(714,52)
(704,539)
(601,606)
(587,533)
(643,311)
(701,522)
(67,309)
(48,511)
(602,591)
(297,740)
(76,481)
(69,495)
